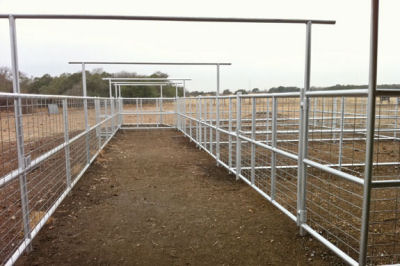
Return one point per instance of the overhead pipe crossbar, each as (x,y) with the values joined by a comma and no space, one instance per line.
(118,85)
(116,80)
(168,18)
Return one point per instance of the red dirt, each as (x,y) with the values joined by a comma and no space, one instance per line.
(152,198)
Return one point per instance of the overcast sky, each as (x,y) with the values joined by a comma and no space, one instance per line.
(262,55)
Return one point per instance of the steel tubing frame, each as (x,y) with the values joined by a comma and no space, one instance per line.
(201,121)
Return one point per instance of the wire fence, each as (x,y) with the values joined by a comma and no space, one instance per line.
(307,157)
(47,143)
(148,113)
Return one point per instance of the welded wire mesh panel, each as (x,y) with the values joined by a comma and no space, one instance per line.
(11,222)
(246,112)
(149,112)
(92,112)
(245,130)
(225,149)
(262,171)
(76,119)
(8,148)
(337,132)
(261,132)
(226,123)
(190,112)
(56,144)
(286,183)
(384,228)
(78,156)
(43,126)
(387,142)
(288,117)
(212,116)
(194,114)
(45,184)
(334,207)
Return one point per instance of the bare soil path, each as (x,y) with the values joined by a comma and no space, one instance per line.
(152,198)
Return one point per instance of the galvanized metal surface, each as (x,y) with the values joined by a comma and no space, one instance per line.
(334,173)
(167,18)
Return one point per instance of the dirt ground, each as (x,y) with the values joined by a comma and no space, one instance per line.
(152,198)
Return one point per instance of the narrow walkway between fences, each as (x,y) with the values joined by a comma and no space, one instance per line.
(153,198)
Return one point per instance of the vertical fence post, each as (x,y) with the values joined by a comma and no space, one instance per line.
(190,120)
(105,117)
(22,160)
(141,111)
(303,138)
(230,131)
(98,120)
(158,109)
(137,112)
(323,104)
(315,111)
(161,105)
(217,117)
(181,114)
(205,120)
(334,111)
(341,132)
(396,117)
(110,88)
(253,137)
(200,125)
(120,111)
(267,124)
(176,113)
(238,128)
(211,129)
(114,117)
(197,121)
(369,153)
(184,120)
(66,140)
(184,103)
(85,110)
(273,142)
(177,117)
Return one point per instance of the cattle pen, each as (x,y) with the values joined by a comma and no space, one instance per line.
(329,160)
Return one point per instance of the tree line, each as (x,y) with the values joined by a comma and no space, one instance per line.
(71,84)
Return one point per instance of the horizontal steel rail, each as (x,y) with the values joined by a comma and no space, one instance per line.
(168,18)
(147,79)
(149,63)
(46,96)
(148,113)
